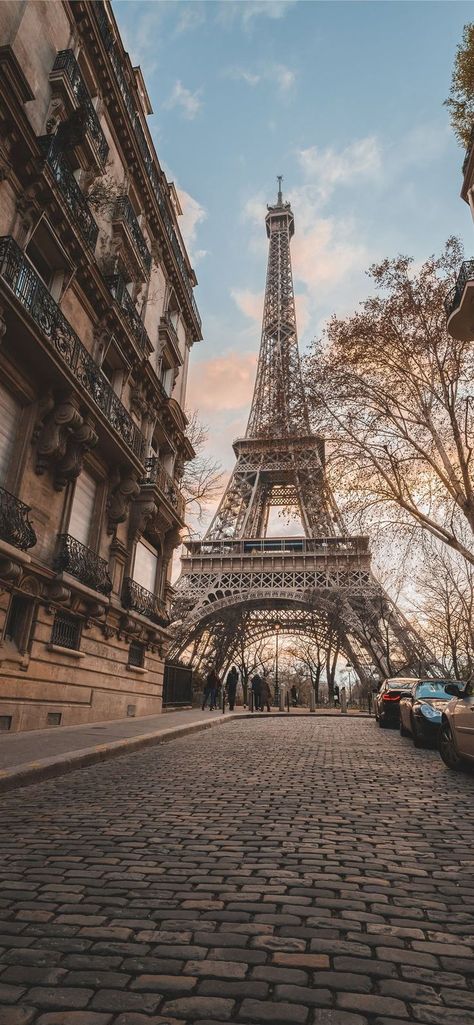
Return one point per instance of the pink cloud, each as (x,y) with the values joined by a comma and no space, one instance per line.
(225,382)
(250,303)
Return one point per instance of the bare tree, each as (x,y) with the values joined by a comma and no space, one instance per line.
(445,606)
(393,392)
(201,482)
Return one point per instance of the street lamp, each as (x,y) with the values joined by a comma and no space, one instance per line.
(277,689)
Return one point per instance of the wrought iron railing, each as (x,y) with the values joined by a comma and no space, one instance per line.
(66,632)
(147,604)
(177,685)
(157,476)
(18,273)
(136,654)
(147,157)
(15,527)
(75,199)
(66,64)
(124,212)
(122,296)
(454,296)
(82,563)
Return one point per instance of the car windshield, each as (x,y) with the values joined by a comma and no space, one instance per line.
(433,689)
(398,685)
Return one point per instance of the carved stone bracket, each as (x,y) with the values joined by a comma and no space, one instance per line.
(124,487)
(63,438)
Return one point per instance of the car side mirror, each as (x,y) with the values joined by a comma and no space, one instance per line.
(456,689)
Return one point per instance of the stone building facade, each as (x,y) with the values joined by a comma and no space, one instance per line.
(97,319)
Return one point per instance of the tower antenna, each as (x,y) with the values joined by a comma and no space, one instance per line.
(280,197)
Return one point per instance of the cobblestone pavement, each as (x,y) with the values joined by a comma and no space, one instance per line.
(279,871)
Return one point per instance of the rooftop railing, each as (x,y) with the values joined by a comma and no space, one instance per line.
(143,146)
(75,199)
(82,563)
(18,273)
(15,527)
(66,64)
(454,296)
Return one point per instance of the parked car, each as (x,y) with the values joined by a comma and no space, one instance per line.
(421,710)
(456,737)
(387,700)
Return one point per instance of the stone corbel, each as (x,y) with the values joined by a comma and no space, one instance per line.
(124,487)
(79,442)
(56,114)
(57,592)
(141,515)
(63,438)
(10,570)
(128,627)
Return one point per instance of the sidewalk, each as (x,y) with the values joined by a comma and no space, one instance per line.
(42,754)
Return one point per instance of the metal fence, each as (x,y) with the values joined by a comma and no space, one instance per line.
(177,686)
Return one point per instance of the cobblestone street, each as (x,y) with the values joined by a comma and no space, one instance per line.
(283,871)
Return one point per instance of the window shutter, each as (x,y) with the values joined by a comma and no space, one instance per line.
(83,508)
(9,419)
(145,567)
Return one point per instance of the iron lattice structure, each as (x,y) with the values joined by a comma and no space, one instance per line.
(239,583)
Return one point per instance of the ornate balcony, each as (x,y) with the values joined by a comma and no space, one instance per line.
(147,604)
(124,214)
(157,477)
(121,295)
(15,527)
(459,304)
(23,281)
(66,72)
(82,563)
(146,154)
(167,331)
(75,199)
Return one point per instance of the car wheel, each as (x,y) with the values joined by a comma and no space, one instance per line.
(403,730)
(382,724)
(417,738)
(447,749)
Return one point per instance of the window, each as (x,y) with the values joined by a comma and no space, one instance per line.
(54,718)
(18,622)
(166,376)
(82,511)
(136,654)
(5,722)
(48,258)
(10,412)
(145,566)
(66,632)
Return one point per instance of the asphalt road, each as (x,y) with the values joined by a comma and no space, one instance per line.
(286,871)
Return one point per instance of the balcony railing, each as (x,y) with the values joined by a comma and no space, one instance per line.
(75,199)
(67,65)
(124,212)
(156,476)
(18,273)
(82,563)
(122,296)
(15,527)
(147,157)
(147,604)
(454,296)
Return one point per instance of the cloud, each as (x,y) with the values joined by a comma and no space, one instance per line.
(246,13)
(191,17)
(277,74)
(223,383)
(193,215)
(249,303)
(324,169)
(189,103)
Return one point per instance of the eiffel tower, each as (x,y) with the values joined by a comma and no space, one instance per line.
(238,581)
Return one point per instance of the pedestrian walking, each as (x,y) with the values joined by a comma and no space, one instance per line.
(256,685)
(210,690)
(265,694)
(294,696)
(231,686)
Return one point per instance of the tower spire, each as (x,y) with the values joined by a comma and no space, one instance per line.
(280,196)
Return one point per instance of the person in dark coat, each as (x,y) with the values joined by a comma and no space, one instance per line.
(210,690)
(265,694)
(294,696)
(231,686)
(256,685)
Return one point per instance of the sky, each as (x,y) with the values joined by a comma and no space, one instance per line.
(345,100)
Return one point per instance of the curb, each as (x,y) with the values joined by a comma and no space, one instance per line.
(49,768)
